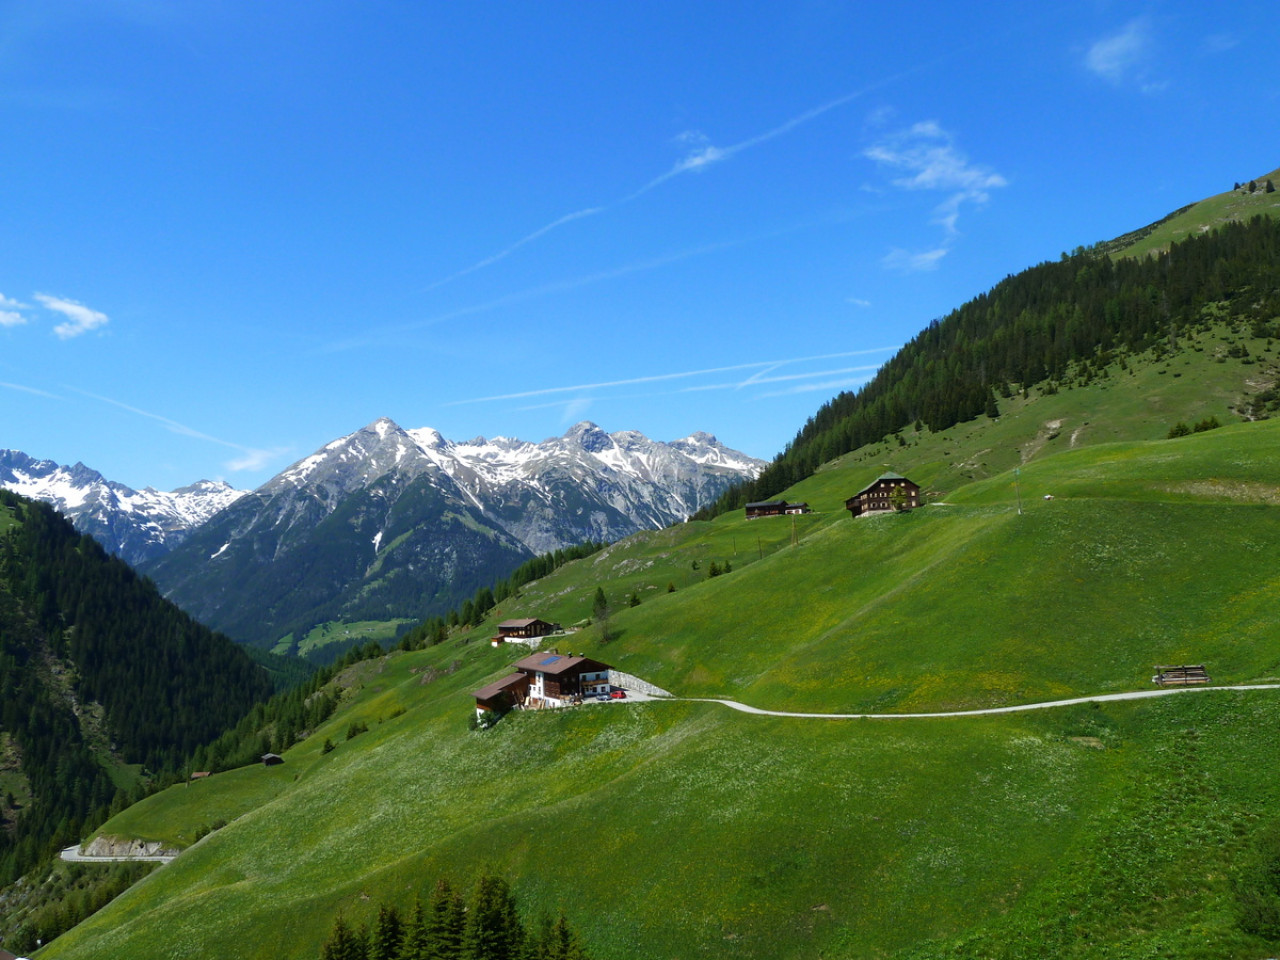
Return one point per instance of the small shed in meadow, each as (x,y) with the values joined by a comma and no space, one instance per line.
(766,508)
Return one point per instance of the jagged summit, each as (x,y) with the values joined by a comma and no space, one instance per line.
(384,522)
(137,525)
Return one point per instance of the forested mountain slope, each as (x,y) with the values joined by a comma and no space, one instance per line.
(101,681)
(1066,318)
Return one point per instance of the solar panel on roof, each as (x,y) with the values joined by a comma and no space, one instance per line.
(547,661)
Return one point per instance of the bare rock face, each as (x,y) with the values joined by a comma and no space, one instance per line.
(122,847)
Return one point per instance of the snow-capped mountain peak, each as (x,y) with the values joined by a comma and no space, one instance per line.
(136,524)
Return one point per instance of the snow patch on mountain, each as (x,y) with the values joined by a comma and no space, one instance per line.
(135,524)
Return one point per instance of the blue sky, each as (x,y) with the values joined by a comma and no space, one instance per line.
(233,231)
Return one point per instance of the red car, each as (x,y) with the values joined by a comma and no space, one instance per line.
(618,695)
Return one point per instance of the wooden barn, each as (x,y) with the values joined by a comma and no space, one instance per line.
(774,508)
(525,628)
(501,695)
(889,491)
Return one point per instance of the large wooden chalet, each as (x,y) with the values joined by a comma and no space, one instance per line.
(889,491)
(546,679)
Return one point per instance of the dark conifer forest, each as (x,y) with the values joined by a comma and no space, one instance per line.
(97,672)
(1073,315)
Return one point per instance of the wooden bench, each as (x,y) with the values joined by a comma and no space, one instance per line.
(1182,676)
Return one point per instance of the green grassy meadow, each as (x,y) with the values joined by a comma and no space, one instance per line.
(1205,215)
(343,632)
(683,829)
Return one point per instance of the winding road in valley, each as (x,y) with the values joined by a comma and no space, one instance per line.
(1018,708)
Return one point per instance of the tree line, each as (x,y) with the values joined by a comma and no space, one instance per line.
(1076,314)
(487,926)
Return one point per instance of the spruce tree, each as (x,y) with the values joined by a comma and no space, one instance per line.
(388,933)
(563,943)
(493,929)
(413,944)
(344,943)
(444,924)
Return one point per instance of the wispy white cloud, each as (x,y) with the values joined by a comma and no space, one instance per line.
(700,154)
(904,261)
(575,409)
(858,302)
(80,319)
(32,390)
(547,289)
(1220,43)
(761,380)
(825,387)
(9,315)
(250,458)
(1126,57)
(704,154)
(1114,56)
(254,459)
(660,377)
(928,156)
(503,254)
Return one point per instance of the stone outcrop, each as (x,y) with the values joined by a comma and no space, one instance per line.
(120,847)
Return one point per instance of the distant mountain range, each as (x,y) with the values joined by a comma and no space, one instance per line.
(136,525)
(385,523)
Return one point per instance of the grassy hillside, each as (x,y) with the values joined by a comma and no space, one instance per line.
(683,829)
(1231,205)
(1067,547)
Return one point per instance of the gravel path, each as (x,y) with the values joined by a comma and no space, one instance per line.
(1100,698)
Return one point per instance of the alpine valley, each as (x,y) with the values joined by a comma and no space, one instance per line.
(966,756)
(388,524)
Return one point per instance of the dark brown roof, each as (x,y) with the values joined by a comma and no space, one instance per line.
(883,476)
(499,686)
(558,663)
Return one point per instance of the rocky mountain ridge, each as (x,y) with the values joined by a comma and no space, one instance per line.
(387,523)
(136,525)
